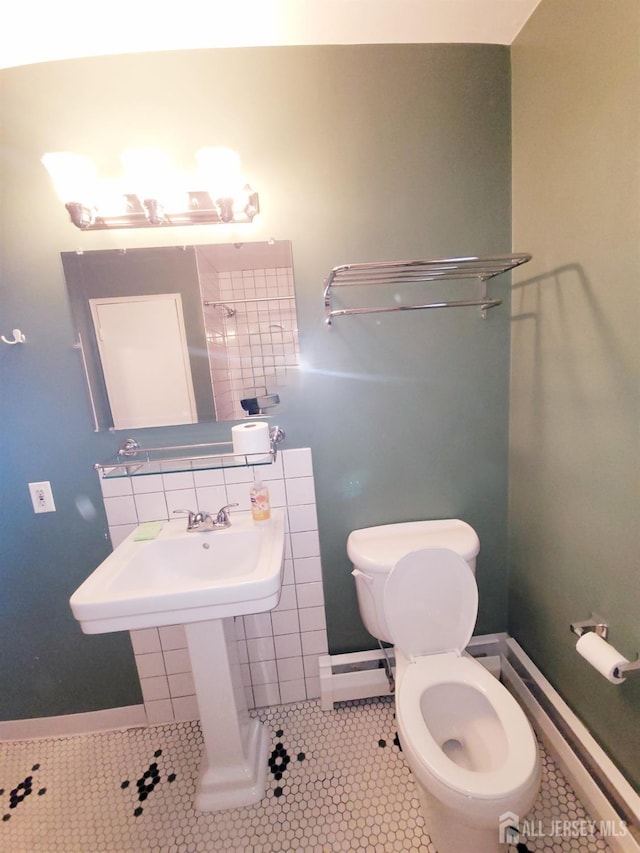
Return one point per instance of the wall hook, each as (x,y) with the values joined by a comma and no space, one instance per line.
(18,338)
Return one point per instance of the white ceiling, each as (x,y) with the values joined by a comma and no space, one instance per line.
(32,31)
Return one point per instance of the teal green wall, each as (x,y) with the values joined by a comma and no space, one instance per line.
(575,406)
(359,154)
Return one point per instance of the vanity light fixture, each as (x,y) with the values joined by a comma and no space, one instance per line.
(152,194)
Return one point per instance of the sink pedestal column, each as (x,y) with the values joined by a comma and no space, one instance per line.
(234,765)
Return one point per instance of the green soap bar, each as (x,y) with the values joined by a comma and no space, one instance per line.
(148,530)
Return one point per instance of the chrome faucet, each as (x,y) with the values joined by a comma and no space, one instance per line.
(204,521)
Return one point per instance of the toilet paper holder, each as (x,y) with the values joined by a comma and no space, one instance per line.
(595,624)
(601,628)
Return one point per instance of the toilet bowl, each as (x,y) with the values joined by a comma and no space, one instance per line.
(468,743)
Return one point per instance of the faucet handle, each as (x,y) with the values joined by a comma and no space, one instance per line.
(223,515)
(191,521)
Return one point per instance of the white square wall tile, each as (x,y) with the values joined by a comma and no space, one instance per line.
(265,695)
(311,666)
(210,477)
(233,476)
(239,493)
(150,664)
(288,646)
(257,625)
(300,490)
(118,533)
(261,649)
(156,687)
(277,493)
(211,498)
(120,510)
(114,487)
(243,651)
(305,544)
(180,499)
(302,518)
(313,688)
(285,622)
(293,691)
(173,637)
(288,577)
(287,600)
(297,462)
(159,711)
(151,507)
(314,643)
(181,684)
(178,481)
(274,471)
(290,669)
(185,707)
(151,483)
(177,660)
(307,569)
(145,640)
(309,594)
(263,672)
(238,623)
(312,619)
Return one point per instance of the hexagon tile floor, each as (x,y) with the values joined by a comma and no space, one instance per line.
(338,781)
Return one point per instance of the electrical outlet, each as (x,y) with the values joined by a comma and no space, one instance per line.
(42,497)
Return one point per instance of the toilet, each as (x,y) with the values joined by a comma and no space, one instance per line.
(468,743)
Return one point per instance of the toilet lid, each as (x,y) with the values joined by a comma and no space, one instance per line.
(431,602)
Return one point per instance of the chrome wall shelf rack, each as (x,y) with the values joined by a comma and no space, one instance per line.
(132,460)
(394,273)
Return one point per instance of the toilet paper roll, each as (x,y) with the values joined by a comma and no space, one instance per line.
(601,656)
(251,438)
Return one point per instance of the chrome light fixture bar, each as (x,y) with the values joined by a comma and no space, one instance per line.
(94,206)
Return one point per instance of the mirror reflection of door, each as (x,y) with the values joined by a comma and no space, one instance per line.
(239,309)
(145,359)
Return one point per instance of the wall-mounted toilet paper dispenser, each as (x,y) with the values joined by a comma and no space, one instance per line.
(594,648)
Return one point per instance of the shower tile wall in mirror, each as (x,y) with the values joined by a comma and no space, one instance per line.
(181,334)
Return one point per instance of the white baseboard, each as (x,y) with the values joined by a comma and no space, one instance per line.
(129,716)
(361,675)
(599,784)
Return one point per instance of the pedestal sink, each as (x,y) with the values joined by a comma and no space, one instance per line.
(202,581)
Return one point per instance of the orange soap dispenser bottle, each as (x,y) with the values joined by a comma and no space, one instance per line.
(260,506)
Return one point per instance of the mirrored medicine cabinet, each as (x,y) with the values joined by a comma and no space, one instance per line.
(183,334)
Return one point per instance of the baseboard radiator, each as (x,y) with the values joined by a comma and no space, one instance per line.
(604,791)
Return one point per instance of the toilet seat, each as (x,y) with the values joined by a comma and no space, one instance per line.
(431,616)
(431,611)
(430,762)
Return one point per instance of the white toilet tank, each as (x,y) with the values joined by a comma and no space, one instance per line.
(374,551)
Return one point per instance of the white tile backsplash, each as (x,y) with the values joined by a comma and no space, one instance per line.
(278,650)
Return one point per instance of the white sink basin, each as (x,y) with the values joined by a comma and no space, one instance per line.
(182,577)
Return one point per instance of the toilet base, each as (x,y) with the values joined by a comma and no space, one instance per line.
(450,835)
